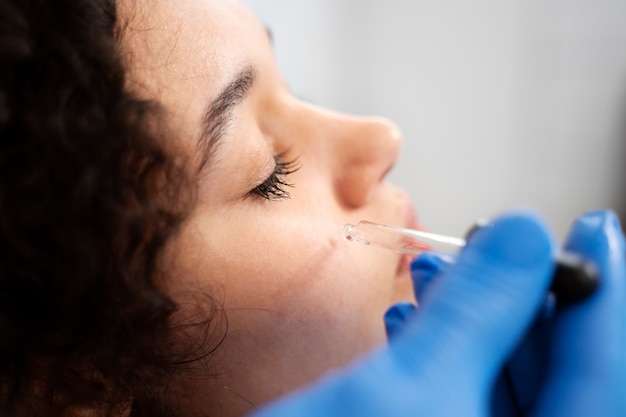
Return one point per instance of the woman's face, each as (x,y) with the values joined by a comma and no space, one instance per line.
(298,299)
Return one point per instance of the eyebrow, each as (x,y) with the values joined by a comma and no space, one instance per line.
(218,114)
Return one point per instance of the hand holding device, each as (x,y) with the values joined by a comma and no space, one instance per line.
(445,358)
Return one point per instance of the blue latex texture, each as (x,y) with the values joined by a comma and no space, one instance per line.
(483,317)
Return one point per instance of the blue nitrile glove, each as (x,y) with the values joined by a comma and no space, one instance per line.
(595,336)
(588,344)
(424,269)
(446,356)
(580,352)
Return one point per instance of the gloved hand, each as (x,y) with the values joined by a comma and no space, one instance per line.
(424,269)
(572,360)
(584,344)
(445,358)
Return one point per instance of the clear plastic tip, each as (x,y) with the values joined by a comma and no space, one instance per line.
(408,241)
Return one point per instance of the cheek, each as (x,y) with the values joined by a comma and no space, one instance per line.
(301,270)
(295,295)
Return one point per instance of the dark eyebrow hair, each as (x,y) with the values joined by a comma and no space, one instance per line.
(219,113)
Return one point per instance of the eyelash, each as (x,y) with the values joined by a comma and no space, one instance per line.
(274,187)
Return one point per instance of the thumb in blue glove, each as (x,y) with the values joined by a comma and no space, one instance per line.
(445,359)
(573,361)
(586,372)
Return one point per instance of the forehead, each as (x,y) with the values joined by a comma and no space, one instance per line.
(175,47)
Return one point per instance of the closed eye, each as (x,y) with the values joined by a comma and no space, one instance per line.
(274,188)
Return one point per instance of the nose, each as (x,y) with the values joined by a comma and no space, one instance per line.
(364,151)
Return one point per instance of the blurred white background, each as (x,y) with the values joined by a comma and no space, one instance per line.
(503,103)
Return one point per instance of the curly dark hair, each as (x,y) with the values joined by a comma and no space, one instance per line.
(87,200)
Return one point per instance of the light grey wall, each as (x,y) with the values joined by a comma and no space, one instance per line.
(503,103)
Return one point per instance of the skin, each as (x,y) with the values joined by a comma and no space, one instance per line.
(298,300)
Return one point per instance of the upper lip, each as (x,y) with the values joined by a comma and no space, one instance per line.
(410,214)
(409,221)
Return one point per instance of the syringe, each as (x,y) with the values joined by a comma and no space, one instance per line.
(573,278)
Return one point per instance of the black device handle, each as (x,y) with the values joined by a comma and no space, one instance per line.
(574,278)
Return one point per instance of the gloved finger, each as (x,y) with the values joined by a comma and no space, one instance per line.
(525,371)
(588,341)
(425,267)
(479,309)
(396,316)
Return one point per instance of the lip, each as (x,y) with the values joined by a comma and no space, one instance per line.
(411,222)
(411,217)
(404,265)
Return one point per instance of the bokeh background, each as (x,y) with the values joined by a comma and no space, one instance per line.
(503,103)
